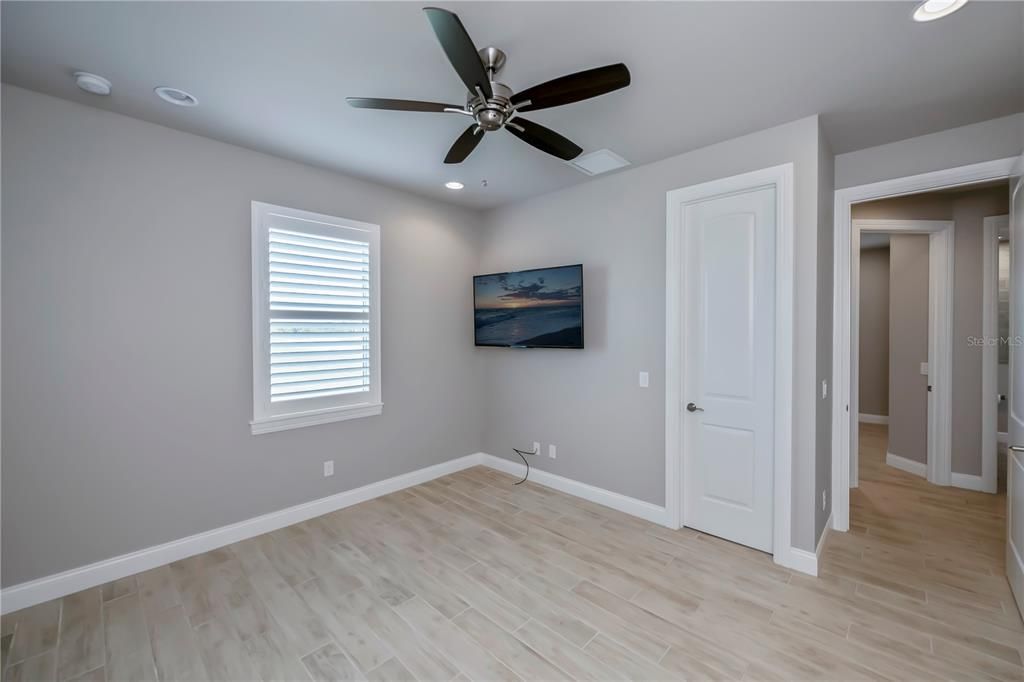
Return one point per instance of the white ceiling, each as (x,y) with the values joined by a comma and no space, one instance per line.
(273,76)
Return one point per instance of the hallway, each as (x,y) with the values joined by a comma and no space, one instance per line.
(932,558)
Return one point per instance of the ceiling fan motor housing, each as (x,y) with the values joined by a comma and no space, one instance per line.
(491,114)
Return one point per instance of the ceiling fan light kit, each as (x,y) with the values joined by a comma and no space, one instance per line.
(493,105)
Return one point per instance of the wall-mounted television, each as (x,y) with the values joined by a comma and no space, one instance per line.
(540,308)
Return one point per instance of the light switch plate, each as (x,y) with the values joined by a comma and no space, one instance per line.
(329,468)
(645,379)
(924,368)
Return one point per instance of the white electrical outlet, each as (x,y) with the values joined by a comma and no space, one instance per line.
(328,468)
(536,448)
(924,368)
(645,380)
(823,499)
(552,451)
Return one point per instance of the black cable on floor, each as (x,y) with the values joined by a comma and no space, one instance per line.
(523,455)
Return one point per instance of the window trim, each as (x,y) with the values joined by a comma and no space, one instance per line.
(265,419)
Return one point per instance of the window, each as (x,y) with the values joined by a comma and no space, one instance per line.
(315,318)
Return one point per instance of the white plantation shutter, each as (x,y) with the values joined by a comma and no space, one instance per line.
(319,316)
(315,318)
(311,358)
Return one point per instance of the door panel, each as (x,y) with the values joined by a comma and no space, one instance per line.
(1015,408)
(729,475)
(728,243)
(728,365)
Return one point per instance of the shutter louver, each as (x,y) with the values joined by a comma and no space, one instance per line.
(319,316)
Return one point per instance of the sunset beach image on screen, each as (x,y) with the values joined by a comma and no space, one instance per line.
(540,308)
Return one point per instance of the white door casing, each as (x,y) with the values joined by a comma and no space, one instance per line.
(1015,409)
(729,245)
(777,355)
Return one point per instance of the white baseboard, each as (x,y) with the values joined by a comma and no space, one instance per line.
(873,418)
(607,498)
(797,559)
(968,481)
(33,592)
(50,587)
(908,465)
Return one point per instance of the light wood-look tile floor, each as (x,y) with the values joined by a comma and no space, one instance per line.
(470,577)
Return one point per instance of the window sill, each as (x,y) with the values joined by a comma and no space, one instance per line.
(300,419)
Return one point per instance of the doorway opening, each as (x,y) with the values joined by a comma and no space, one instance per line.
(926,421)
(903,363)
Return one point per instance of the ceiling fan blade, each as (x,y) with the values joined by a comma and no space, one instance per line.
(459,48)
(398,104)
(464,146)
(544,139)
(574,87)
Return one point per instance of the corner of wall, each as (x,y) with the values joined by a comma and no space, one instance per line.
(823,405)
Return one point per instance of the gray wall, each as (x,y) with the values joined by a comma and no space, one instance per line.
(998,138)
(967,209)
(127,345)
(908,346)
(873,362)
(823,415)
(609,432)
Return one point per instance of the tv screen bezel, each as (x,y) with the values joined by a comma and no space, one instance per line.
(583,326)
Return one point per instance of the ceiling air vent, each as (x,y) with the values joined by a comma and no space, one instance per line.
(595,163)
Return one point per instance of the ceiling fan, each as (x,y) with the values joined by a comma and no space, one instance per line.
(493,105)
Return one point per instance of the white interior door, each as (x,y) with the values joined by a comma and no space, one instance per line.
(1015,411)
(728,366)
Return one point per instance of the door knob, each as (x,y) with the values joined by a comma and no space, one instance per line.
(1015,448)
(690,407)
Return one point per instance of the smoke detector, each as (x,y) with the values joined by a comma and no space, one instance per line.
(91,83)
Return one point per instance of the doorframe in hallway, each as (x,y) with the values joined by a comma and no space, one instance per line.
(844,432)
(991,227)
(781,177)
(938,466)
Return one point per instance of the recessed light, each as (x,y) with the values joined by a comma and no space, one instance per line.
(176,96)
(930,10)
(91,83)
(454,184)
